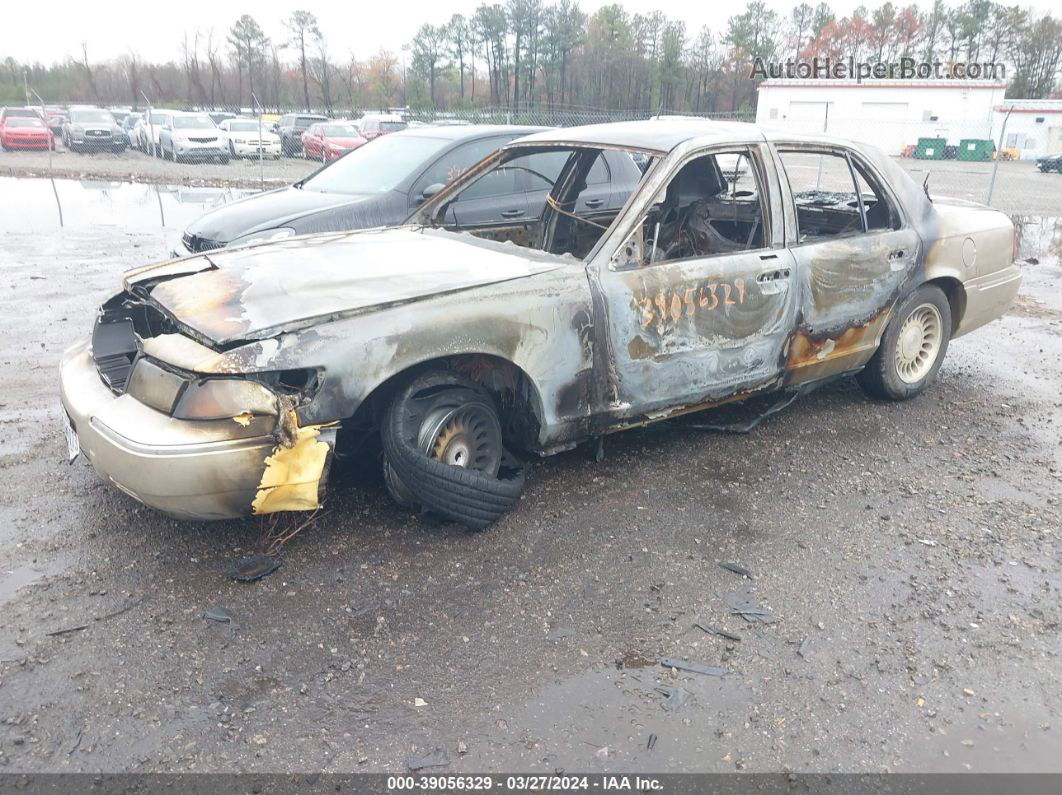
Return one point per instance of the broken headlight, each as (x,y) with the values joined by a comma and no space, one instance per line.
(223,398)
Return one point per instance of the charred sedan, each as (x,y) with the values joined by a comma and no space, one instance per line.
(745,262)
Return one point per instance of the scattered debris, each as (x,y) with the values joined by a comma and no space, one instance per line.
(927,541)
(602,752)
(66,631)
(436,758)
(77,741)
(736,569)
(746,424)
(254,567)
(803,647)
(649,746)
(675,698)
(716,631)
(138,601)
(742,603)
(276,531)
(462,747)
(419,702)
(693,667)
(222,616)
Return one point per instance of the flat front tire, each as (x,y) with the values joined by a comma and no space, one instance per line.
(443,451)
(912,348)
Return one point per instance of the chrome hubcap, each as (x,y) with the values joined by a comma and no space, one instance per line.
(918,343)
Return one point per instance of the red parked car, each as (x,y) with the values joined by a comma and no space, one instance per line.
(374,125)
(25,132)
(327,140)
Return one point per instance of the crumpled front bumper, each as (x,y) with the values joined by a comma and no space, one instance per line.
(188,469)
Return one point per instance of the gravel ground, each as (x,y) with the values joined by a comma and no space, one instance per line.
(910,554)
(1020,187)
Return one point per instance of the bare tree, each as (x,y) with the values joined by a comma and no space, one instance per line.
(303,29)
(89,75)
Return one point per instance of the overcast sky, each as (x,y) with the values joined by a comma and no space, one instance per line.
(50,31)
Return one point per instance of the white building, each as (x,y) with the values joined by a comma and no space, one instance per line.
(890,114)
(1034,126)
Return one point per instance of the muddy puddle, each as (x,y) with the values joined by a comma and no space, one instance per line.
(45,205)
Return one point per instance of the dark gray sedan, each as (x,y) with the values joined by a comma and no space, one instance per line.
(382,182)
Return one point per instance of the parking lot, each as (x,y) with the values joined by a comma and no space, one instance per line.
(1020,188)
(909,552)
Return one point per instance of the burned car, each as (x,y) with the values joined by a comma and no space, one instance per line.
(745,262)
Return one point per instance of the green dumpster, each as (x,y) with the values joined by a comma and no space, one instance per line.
(930,148)
(976,149)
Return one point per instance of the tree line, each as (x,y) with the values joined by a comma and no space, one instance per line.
(523,55)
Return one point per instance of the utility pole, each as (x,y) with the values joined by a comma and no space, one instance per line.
(999,155)
(261,169)
(51,148)
(151,124)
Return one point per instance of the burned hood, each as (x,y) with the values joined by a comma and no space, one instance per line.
(289,206)
(258,291)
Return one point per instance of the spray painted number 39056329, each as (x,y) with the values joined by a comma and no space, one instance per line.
(673,305)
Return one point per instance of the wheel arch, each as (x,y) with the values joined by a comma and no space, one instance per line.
(955,292)
(515,393)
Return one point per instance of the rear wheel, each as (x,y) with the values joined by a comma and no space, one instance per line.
(912,348)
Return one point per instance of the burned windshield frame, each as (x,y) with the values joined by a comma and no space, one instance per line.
(562,201)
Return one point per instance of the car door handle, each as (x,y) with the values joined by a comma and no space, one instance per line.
(511,213)
(594,202)
(768,256)
(777,275)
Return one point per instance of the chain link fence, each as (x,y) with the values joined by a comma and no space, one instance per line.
(188,152)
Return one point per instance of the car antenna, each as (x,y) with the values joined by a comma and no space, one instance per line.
(925,186)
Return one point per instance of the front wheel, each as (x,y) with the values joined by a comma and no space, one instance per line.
(912,347)
(443,451)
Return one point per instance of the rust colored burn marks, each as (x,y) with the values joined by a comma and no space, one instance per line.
(829,353)
(208,301)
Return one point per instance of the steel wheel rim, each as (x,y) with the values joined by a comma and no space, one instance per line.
(918,343)
(467,435)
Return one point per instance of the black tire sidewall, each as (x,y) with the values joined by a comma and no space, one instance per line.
(895,388)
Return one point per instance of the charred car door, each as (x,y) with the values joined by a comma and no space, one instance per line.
(698,299)
(854,253)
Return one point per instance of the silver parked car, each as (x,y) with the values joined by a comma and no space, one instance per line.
(193,137)
(147,130)
(746,262)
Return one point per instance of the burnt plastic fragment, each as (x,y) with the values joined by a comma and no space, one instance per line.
(254,567)
(436,758)
(693,667)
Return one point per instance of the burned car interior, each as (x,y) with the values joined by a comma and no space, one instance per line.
(563,214)
(711,206)
(834,195)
